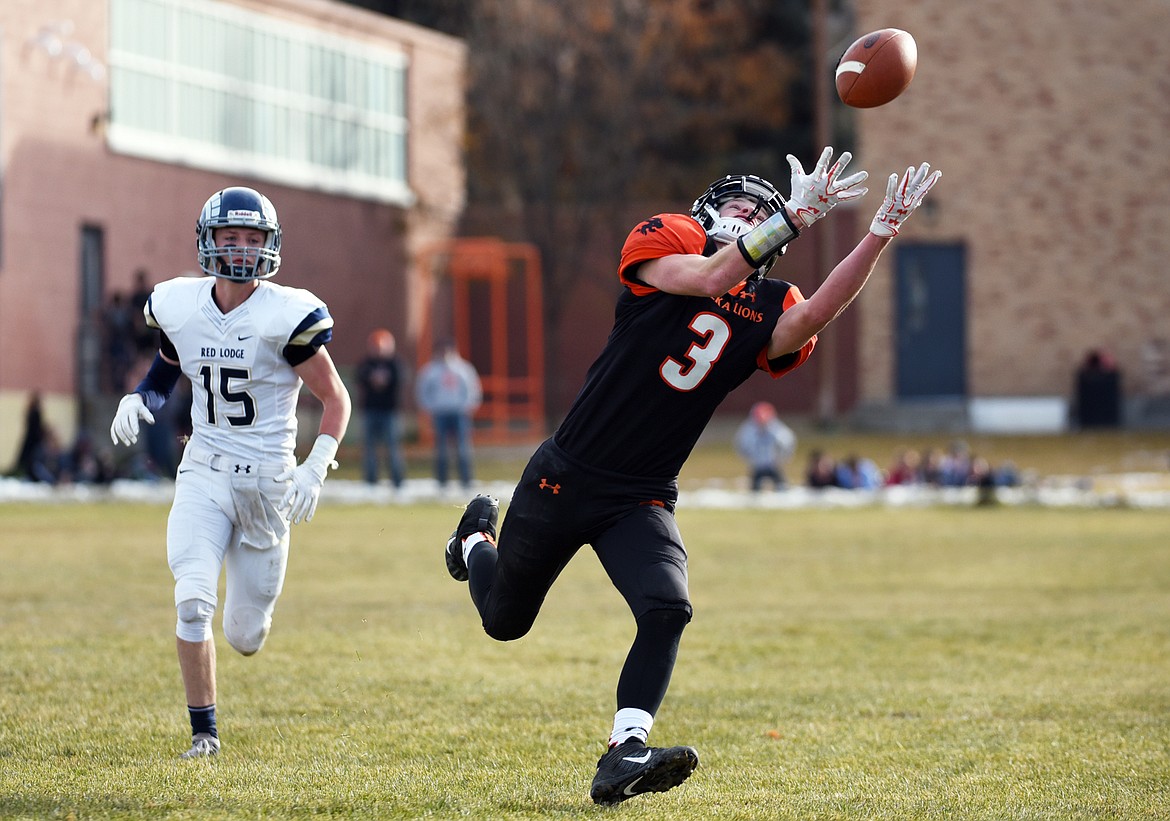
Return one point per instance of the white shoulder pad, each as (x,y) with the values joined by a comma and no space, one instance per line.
(293,316)
(173,302)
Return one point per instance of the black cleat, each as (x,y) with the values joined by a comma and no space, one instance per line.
(631,769)
(480,516)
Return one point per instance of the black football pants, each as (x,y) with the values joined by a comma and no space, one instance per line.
(560,505)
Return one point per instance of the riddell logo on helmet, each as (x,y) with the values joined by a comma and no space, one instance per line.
(241,214)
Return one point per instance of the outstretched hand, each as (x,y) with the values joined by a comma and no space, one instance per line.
(815,194)
(902,198)
(124,428)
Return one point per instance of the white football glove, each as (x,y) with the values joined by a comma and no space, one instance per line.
(815,194)
(305,480)
(125,426)
(902,197)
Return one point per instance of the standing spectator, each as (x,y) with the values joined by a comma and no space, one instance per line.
(118,329)
(379,378)
(1098,391)
(767,445)
(33,441)
(449,390)
(162,438)
(145,338)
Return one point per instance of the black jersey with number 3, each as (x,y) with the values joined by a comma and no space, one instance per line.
(670,360)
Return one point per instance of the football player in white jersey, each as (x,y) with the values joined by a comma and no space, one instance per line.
(246,345)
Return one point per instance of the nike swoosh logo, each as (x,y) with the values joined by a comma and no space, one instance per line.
(242,338)
(188,470)
(628,790)
(642,759)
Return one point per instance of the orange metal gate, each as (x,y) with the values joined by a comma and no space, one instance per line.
(486,295)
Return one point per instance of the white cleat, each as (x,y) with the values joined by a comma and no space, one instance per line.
(203,745)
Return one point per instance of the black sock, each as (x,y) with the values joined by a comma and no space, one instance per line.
(646,673)
(203,720)
(636,742)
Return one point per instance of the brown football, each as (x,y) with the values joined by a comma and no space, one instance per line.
(876,68)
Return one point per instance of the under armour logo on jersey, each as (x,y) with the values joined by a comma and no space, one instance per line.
(243,468)
(544,485)
(652,224)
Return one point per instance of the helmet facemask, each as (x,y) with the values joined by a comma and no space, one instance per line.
(238,208)
(726,230)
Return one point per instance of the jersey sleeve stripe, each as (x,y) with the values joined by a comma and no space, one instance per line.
(148,313)
(316,329)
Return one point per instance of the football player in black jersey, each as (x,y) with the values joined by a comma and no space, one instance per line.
(697,317)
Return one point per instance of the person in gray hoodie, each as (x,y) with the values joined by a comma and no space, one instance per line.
(449,390)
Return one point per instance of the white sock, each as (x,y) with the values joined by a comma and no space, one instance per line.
(630,722)
(471,541)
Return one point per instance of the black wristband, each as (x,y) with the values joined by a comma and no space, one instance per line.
(158,383)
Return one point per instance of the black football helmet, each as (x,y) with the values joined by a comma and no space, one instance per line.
(726,230)
(243,208)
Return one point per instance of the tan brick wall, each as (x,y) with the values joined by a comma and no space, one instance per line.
(1051,122)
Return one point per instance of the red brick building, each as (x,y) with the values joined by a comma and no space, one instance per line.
(118,118)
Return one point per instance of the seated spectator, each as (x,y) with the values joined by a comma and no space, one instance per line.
(932,467)
(858,473)
(46,463)
(821,471)
(955,470)
(86,465)
(1006,475)
(906,469)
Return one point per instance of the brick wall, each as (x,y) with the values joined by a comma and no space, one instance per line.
(1049,120)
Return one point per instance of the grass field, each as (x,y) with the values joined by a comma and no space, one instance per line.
(1085,453)
(854,664)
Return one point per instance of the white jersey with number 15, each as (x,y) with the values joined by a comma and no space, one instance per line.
(243,388)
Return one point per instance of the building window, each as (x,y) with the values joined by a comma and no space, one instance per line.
(218,87)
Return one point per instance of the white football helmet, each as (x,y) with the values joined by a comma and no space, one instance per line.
(244,208)
(725,230)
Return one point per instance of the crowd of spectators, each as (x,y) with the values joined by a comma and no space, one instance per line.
(955,466)
(43,458)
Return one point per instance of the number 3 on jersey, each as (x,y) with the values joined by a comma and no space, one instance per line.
(715,333)
(222,388)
